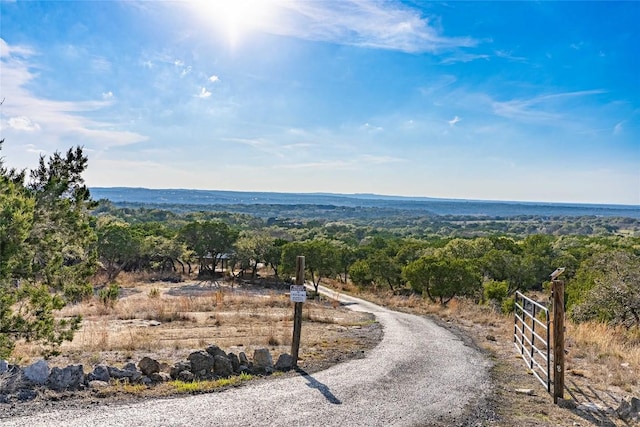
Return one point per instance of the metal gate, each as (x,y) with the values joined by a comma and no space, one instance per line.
(531,337)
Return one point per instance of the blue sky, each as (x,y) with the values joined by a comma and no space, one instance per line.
(535,101)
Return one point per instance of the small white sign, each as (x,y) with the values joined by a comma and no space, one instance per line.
(298,293)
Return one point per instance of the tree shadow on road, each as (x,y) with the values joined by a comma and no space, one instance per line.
(322,388)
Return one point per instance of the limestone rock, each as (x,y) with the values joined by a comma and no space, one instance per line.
(284,363)
(186,376)
(262,361)
(69,378)
(222,366)
(202,364)
(26,395)
(130,367)
(37,373)
(235,362)
(179,367)
(242,357)
(99,373)
(628,409)
(97,384)
(624,410)
(12,379)
(159,377)
(214,350)
(129,374)
(149,366)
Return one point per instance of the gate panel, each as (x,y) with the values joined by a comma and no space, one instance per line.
(531,337)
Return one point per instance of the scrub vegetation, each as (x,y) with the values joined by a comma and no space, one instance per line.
(75,273)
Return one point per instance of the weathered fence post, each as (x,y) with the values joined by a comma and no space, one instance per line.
(558,336)
(297,314)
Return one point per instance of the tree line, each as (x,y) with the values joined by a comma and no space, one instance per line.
(602,271)
(55,242)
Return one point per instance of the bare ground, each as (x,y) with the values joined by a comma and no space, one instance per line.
(168,321)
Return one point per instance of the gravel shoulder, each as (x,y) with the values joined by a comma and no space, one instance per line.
(419,374)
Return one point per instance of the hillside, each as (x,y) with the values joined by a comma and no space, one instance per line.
(172,198)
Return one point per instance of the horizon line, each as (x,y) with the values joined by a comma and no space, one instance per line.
(376,195)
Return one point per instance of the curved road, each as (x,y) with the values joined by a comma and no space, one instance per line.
(419,374)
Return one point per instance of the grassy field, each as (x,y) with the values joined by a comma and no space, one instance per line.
(167,321)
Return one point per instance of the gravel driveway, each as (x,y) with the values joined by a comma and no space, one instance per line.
(420,374)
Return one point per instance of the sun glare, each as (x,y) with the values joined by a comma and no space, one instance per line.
(235,19)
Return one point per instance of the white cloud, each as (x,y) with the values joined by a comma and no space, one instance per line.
(371,128)
(23,123)
(107,95)
(453,121)
(374,24)
(61,120)
(508,55)
(186,71)
(15,51)
(464,57)
(214,79)
(204,93)
(539,107)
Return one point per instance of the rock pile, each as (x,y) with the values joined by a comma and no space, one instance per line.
(629,410)
(23,383)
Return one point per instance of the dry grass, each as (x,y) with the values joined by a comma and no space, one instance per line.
(168,321)
(596,346)
(602,363)
(609,356)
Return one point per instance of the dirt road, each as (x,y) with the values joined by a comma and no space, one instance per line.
(420,374)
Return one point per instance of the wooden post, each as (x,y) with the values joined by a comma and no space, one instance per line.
(297,313)
(558,340)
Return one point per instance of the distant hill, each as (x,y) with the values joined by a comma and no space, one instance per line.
(413,205)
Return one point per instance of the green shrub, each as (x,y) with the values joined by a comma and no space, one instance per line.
(496,291)
(508,305)
(109,295)
(74,292)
